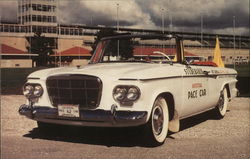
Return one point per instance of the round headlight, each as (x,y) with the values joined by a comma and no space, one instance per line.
(133,94)
(28,90)
(119,93)
(38,91)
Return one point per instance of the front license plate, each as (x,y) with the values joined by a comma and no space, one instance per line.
(68,110)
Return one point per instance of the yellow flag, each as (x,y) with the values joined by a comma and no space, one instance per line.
(217,54)
(175,58)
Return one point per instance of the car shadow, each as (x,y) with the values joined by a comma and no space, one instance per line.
(197,119)
(119,137)
(110,137)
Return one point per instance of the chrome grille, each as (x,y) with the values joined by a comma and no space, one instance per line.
(74,89)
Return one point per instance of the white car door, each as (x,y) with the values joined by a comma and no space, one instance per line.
(195,90)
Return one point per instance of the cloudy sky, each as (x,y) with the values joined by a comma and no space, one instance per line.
(147,14)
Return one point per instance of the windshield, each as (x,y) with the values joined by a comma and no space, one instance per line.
(135,49)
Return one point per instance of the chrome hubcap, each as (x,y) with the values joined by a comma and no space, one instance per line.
(157,120)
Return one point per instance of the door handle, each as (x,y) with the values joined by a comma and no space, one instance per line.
(206,72)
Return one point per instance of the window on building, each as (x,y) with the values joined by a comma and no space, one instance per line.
(33,17)
(11,28)
(67,31)
(29,18)
(44,18)
(80,31)
(34,28)
(54,30)
(49,8)
(34,7)
(71,31)
(6,28)
(39,18)
(28,7)
(45,8)
(53,19)
(62,31)
(23,29)
(40,29)
(24,19)
(49,30)
(44,29)
(49,19)
(53,8)
(76,32)
(39,7)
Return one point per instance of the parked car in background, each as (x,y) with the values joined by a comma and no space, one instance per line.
(130,81)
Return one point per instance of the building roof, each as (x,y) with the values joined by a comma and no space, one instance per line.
(74,51)
(6,49)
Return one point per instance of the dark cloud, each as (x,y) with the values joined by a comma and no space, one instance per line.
(8,11)
(79,13)
(146,14)
(217,14)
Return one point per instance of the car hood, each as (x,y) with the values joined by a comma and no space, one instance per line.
(115,71)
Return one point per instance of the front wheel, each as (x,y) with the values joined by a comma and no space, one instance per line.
(221,107)
(157,126)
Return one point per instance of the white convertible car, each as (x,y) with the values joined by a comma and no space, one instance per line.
(131,80)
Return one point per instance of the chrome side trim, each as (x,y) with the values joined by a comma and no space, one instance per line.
(189,76)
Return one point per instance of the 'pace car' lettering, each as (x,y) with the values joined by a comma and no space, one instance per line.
(191,71)
(197,93)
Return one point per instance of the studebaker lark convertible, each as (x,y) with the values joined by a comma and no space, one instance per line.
(131,80)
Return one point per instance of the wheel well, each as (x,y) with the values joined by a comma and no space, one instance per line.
(228,90)
(170,101)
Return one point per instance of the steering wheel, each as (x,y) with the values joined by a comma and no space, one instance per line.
(161,53)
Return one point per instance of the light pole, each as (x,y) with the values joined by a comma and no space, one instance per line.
(170,16)
(201,31)
(59,33)
(117,15)
(234,31)
(234,38)
(118,42)
(171,23)
(162,20)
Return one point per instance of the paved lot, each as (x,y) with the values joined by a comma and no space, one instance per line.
(201,137)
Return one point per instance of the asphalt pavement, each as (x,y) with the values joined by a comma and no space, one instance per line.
(201,136)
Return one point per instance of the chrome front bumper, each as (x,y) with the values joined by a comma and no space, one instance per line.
(99,118)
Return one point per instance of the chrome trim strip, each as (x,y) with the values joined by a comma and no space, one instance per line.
(161,78)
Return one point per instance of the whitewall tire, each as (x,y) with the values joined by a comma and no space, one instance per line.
(221,107)
(157,126)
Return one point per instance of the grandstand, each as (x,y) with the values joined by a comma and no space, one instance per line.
(41,16)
